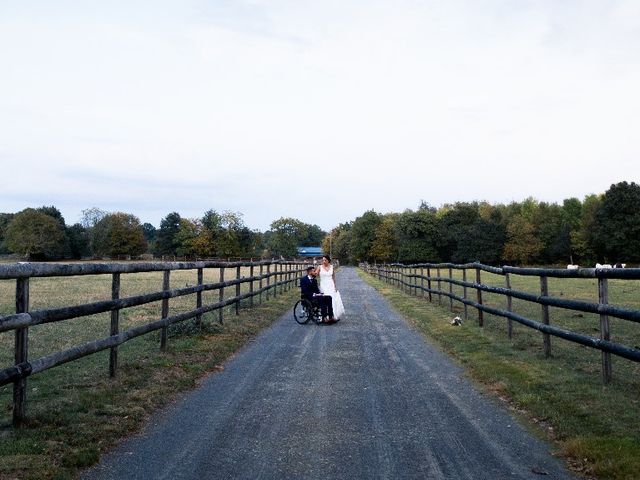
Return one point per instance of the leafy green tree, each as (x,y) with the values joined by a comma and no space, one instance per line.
(5,219)
(553,233)
(287,234)
(417,234)
(363,233)
(582,239)
(166,243)
(150,233)
(522,245)
(119,234)
(384,248)
(35,235)
(338,244)
(483,242)
(187,236)
(571,219)
(285,237)
(54,213)
(453,223)
(616,231)
(78,241)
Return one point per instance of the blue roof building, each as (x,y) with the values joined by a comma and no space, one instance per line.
(309,251)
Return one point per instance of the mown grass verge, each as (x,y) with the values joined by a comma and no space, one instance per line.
(75,412)
(596,428)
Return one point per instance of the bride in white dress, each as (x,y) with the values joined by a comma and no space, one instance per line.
(328,286)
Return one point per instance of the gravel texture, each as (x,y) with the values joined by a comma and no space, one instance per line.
(365,398)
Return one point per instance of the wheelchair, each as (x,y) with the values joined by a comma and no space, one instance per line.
(305,310)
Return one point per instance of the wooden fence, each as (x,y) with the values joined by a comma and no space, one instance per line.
(408,278)
(273,275)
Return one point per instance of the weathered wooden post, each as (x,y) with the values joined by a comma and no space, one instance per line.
(268,281)
(275,280)
(422,281)
(251,284)
(544,292)
(479,296)
(115,324)
(429,283)
(260,283)
(288,277)
(464,292)
(221,297)
(439,286)
(199,298)
(603,299)
(21,353)
(450,289)
(507,281)
(238,290)
(165,309)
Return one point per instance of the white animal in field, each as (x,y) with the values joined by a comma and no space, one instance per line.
(573,267)
(457,321)
(603,265)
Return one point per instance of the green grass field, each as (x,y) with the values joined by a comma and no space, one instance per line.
(75,411)
(596,427)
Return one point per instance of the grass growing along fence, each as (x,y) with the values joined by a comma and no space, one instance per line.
(596,427)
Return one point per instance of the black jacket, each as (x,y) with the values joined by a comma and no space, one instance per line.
(308,287)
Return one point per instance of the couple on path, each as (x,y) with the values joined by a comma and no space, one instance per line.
(326,295)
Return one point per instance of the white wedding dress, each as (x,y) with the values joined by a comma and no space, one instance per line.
(328,287)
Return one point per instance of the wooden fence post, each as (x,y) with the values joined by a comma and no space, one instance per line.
(260,284)
(450,289)
(199,298)
(603,299)
(21,353)
(275,280)
(165,309)
(507,281)
(268,281)
(221,297)
(288,277)
(464,292)
(251,284)
(238,290)
(429,283)
(544,292)
(479,296)
(439,286)
(115,324)
(422,281)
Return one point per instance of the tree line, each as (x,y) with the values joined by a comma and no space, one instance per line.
(600,228)
(42,234)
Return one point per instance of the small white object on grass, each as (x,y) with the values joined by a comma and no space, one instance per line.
(457,321)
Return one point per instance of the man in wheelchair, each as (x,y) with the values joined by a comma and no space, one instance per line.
(309,290)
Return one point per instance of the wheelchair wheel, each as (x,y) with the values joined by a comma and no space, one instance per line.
(303,311)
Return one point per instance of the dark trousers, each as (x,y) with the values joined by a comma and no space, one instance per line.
(326,305)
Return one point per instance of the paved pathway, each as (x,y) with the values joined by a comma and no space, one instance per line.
(365,398)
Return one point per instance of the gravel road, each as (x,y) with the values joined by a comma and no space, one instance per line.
(365,398)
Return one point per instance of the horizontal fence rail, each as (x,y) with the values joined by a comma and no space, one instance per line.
(273,276)
(408,278)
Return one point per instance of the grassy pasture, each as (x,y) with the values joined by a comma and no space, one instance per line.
(596,427)
(75,411)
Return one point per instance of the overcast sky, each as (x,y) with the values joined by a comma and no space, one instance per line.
(317,110)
